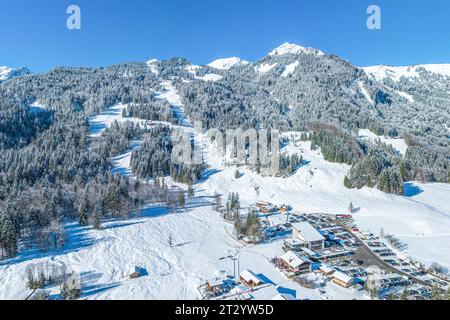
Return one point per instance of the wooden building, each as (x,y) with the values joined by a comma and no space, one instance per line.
(249,279)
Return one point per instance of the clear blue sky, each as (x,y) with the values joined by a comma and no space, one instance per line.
(34,33)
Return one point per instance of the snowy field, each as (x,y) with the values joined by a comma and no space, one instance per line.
(105,119)
(202,250)
(202,244)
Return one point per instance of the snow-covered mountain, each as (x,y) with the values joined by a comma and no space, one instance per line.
(383,72)
(290,48)
(7,73)
(365,122)
(227,63)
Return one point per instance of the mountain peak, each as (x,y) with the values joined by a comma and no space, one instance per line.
(7,73)
(291,48)
(227,63)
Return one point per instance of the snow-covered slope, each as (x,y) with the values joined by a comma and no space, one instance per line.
(227,63)
(206,77)
(289,69)
(398,144)
(265,67)
(105,119)
(396,73)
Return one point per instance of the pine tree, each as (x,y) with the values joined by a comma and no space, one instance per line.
(347,182)
(181,198)
(217,200)
(238,226)
(237,174)
(383,182)
(96,216)
(9,237)
(405,295)
(83,211)
(403,172)
(191,191)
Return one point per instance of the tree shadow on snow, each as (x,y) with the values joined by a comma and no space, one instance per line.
(411,190)
(118,225)
(96,127)
(97,288)
(77,238)
(207,174)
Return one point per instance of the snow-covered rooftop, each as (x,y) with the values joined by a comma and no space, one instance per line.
(249,276)
(308,232)
(342,277)
(293,259)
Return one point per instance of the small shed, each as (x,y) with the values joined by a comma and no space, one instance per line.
(138,272)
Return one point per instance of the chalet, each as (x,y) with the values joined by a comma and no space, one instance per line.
(342,279)
(309,235)
(295,263)
(249,279)
(326,270)
(135,275)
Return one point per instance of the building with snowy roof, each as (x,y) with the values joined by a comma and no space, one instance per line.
(249,279)
(294,262)
(309,235)
(342,279)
